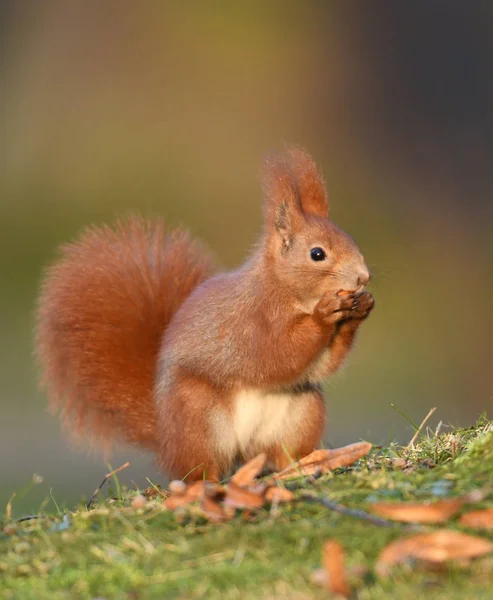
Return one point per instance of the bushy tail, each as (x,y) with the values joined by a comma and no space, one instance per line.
(101,315)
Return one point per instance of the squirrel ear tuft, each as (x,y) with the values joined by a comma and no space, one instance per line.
(311,186)
(281,197)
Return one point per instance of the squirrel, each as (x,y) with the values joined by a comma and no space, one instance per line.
(141,339)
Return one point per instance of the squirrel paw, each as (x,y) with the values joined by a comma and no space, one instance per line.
(332,308)
(362,305)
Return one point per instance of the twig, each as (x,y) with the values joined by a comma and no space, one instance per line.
(353,512)
(418,430)
(30,518)
(106,477)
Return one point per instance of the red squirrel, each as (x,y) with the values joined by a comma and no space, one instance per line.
(140,339)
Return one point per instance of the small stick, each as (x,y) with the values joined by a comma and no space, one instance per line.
(106,477)
(29,518)
(418,430)
(353,512)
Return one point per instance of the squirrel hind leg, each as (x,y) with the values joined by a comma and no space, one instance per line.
(188,448)
(196,464)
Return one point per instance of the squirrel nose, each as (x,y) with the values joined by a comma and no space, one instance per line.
(363,276)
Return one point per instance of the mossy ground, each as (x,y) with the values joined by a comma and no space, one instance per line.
(115,551)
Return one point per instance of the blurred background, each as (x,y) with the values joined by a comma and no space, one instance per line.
(168,108)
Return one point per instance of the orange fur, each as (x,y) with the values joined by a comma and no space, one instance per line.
(103,309)
(139,340)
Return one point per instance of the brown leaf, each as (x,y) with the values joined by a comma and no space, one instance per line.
(479,519)
(325,460)
(333,561)
(259,488)
(425,512)
(240,497)
(213,490)
(194,492)
(435,547)
(212,510)
(229,511)
(278,494)
(246,474)
(175,501)
(291,471)
(417,512)
(354,452)
(360,448)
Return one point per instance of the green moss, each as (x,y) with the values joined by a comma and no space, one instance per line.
(115,551)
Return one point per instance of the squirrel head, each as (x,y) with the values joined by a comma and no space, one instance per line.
(307,251)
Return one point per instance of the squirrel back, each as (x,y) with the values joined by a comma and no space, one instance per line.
(103,308)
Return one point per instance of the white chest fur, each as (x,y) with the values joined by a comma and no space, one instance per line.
(258,421)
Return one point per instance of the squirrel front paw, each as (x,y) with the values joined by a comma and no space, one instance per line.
(362,305)
(332,308)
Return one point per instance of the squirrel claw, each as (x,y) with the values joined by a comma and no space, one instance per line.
(363,305)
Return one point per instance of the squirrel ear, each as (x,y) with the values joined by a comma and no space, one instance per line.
(311,186)
(281,197)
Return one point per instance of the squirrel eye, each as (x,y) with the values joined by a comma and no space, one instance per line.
(317,254)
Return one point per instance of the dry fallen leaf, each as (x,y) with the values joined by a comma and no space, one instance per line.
(212,510)
(213,490)
(246,474)
(426,512)
(196,489)
(187,495)
(333,561)
(435,547)
(243,497)
(219,502)
(416,512)
(478,519)
(174,502)
(325,460)
(278,494)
